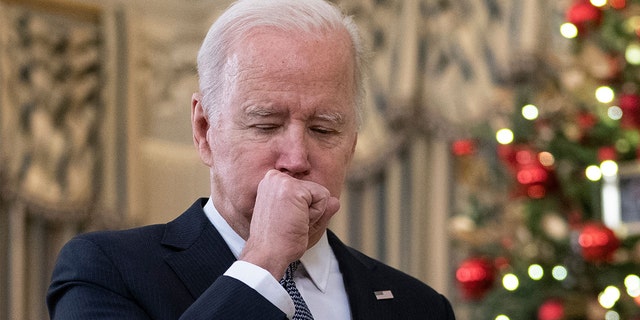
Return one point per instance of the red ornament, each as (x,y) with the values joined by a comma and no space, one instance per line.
(464,147)
(534,179)
(586,120)
(507,153)
(584,15)
(607,153)
(618,4)
(551,310)
(475,277)
(598,242)
(630,105)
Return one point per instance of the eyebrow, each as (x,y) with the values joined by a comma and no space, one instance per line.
(334,117)
(261,111)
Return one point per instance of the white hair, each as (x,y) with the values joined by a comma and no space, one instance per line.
(302,16)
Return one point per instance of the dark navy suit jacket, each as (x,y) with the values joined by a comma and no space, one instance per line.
(174,271)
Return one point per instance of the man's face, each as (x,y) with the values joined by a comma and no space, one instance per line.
(288,105)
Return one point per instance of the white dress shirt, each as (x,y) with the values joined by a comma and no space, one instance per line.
(318,278)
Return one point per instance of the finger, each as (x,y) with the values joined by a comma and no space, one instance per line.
(320,201)
(333,205)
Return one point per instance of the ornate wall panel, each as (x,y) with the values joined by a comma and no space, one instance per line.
(52,112)
(58,154)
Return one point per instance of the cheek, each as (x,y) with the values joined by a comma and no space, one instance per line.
(247,162)
(331,168)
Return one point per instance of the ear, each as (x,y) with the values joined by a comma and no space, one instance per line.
(355,142)
(352,152)
(200,126)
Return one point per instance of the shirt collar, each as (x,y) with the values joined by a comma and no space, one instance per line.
(315,261)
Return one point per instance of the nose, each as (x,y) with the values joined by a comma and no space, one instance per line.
(293,153)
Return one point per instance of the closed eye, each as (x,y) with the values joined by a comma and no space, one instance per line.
(323,130)
(266,127)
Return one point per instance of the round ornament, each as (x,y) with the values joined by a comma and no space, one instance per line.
(464,147)
(552,309)
(583,15)
(630,105)
(598,243)
(475,277)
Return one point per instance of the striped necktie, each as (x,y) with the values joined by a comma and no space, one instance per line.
(302,311)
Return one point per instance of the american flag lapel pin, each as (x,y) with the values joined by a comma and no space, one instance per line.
(383,294)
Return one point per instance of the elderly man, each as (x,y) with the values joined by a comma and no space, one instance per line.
(276,122)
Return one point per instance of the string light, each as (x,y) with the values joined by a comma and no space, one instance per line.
(614,113)
(609,168)
(605,94)
(536,272)
(611,315)
(632,283)
(504,136)
(632,54)
(608,297)
(530,112)
(546,158)
(599,3)
(559,273)
(593,173)
(510,282)
(568,30)
(502,317)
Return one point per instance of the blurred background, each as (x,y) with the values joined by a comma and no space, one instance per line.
(497,160)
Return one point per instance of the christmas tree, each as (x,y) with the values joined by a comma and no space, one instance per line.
(548,228)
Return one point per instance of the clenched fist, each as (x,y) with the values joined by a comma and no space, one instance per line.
(290,215)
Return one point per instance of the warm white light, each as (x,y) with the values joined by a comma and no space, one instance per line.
(632,24)
(504,136)
(609,297)
(559,273)
(632,54)
(609,168)
(568,30)
(611,315)
(605,94)
(632,282)
(614,113)
(593,173)
(530,112)
(502,317)
(510,281)
(598,3)
(546,158)
(536,272)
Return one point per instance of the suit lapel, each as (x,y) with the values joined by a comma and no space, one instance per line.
(360,280)
(200,254)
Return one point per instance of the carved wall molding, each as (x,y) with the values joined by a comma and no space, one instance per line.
(60,104)
(51,114)
(438,66)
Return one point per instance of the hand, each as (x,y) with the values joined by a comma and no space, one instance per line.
(289,216)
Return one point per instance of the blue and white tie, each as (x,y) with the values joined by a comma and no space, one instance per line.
(302,311)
